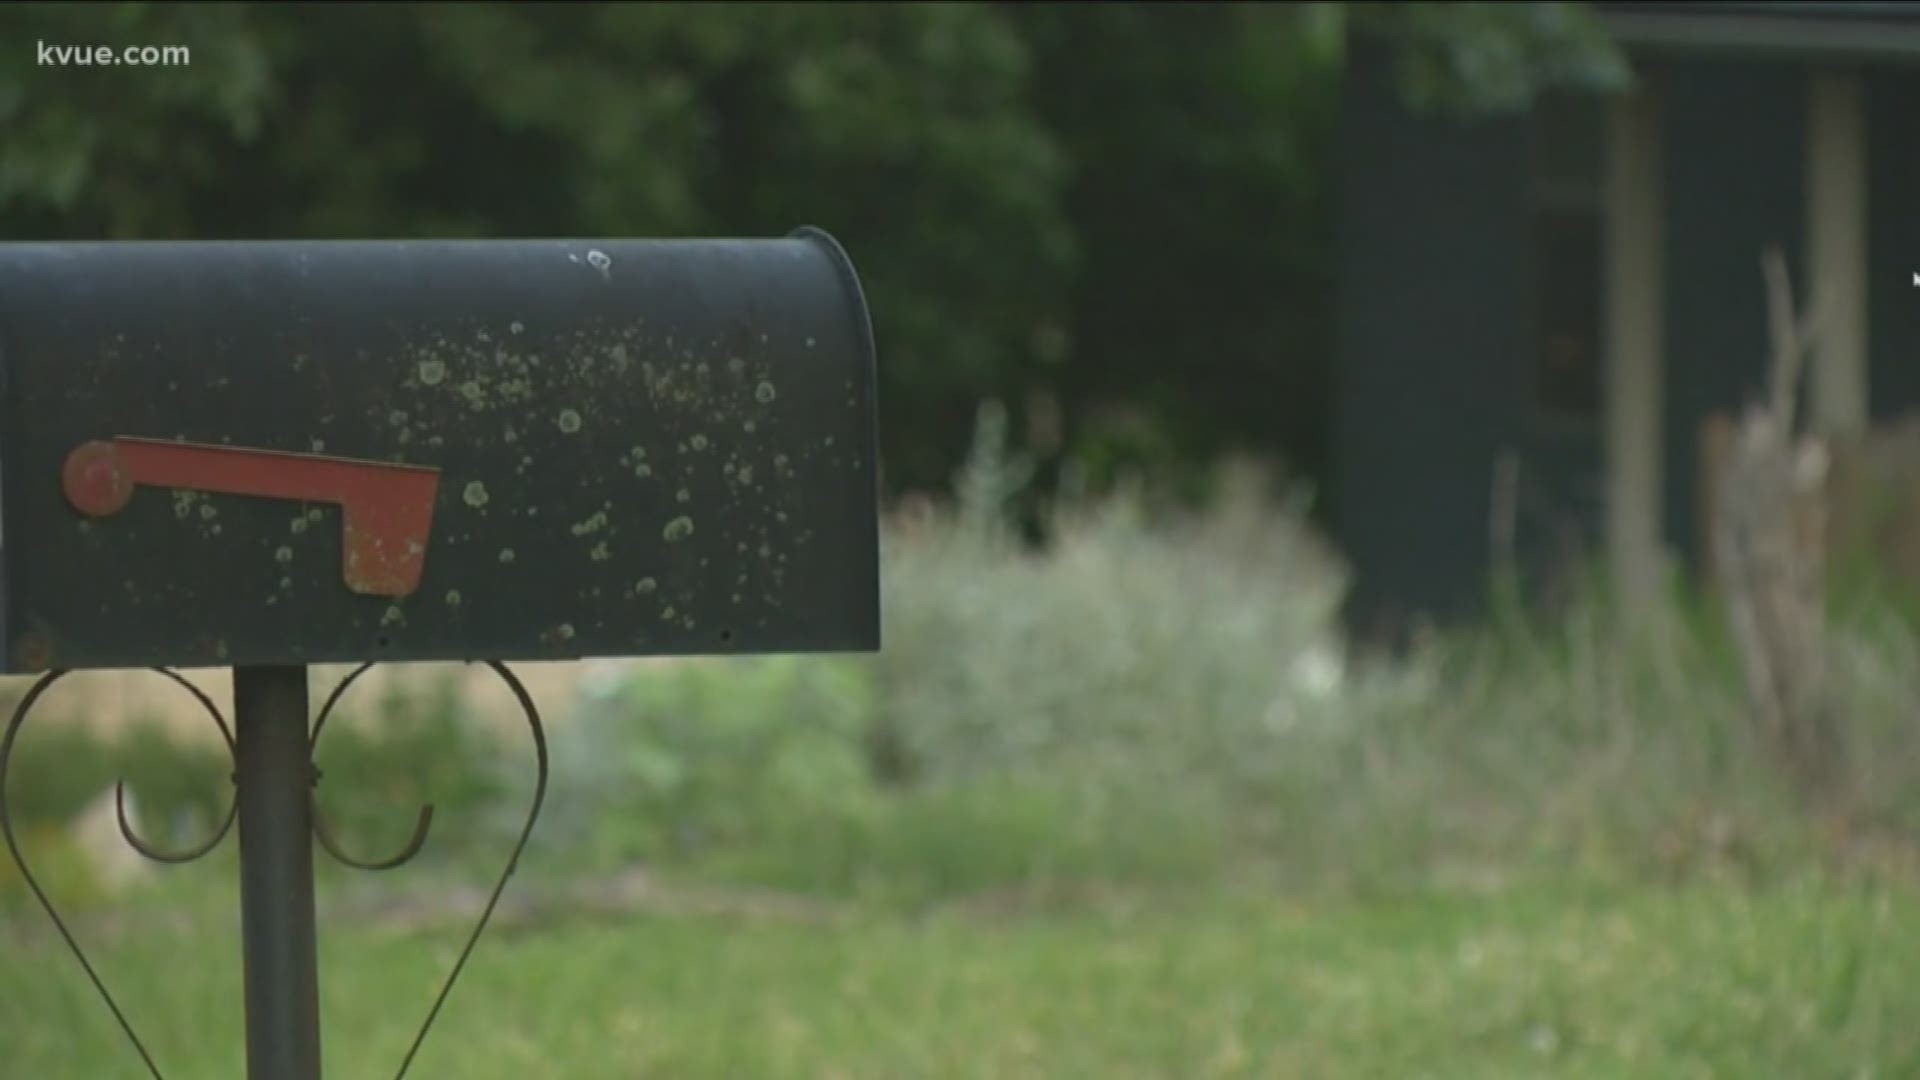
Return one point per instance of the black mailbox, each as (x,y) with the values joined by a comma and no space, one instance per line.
(228,454)
(269,455)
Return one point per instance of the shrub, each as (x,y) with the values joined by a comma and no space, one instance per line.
(59,865)
(1112,709)
(413,746)
(692,756)
(1161,696)
(178,789)
(1169,650)
(409,748)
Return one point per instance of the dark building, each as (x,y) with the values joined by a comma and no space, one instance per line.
(1540,311)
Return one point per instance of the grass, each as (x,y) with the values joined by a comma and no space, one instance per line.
(1801,980)
(1122,808)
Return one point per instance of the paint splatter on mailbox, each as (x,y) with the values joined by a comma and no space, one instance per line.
(223,454)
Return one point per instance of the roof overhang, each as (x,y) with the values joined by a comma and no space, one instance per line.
(1879,33)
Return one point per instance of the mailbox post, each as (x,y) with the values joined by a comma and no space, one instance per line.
(268,455)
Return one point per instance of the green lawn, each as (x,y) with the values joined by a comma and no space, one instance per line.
(1817,981)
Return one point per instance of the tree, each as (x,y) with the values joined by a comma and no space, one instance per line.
(904,129)
(1201,137)
(1468,58)
(1119,212)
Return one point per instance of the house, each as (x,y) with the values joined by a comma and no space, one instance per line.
(1539,312)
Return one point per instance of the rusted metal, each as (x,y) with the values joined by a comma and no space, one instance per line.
(386,509)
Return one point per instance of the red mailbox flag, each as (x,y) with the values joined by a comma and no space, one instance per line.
(386,509)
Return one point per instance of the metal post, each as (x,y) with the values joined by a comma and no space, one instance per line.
(274,777)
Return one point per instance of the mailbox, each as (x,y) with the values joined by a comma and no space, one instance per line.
(269,455)
(231,454)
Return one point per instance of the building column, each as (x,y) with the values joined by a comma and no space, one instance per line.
(1837,252)
(1635,287)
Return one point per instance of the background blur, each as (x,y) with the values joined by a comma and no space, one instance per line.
(1120,797)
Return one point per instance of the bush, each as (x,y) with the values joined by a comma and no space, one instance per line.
(1161,696)
(178,790)
(413,747)
(693,756)
(177,793)
(59,865)
(1126,645)
(1111,710)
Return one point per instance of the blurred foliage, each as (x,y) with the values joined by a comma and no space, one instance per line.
(381,760)
(1143,637)
(1160,697)
(1114,217)
(60,866)
(1472,58)
(1810,981)
(1201,138)
(178,789)
(412,746)
(1026,836)
(904,129)
(1104,712)
(697,756)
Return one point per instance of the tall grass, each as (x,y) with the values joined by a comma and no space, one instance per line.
(1161,697)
